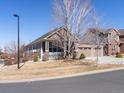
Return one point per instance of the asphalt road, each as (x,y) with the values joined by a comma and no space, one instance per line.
(110,82)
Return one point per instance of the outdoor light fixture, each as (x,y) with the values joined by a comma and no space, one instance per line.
(17,16)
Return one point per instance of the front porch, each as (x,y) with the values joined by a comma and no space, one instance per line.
(49,48)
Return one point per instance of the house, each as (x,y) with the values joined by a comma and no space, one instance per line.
(109,39)
(50,43)
(121,37)
(112,42)
(46,44)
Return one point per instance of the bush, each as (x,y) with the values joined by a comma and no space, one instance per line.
(35,59)
(82,56)
(8,61)
(45,57)
(118,55)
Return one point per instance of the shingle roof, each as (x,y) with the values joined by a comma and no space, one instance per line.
(106,31)
(90,36)
(45,35)
(121,41)
(121,31)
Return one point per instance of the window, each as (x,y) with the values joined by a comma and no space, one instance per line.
(54,48)
(80,48)
(38,45)
(87,48)
(113,48)
(43,46)
(97,48)
(34,46)
(50,47)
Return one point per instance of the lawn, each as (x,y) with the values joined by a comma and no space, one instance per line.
(49,69)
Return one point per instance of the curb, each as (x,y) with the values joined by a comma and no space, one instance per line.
(61,77)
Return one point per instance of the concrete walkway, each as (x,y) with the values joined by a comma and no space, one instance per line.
(108,60)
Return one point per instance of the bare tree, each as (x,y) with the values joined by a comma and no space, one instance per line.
(100,38)
(11,49)
(74,16)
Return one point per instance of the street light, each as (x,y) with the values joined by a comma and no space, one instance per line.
(17,16)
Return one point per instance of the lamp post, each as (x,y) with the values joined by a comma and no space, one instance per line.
(17,16)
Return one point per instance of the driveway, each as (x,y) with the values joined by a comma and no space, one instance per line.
(108,60)
(110,82)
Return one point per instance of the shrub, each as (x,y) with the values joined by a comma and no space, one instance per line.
(82,56)
(8,61)
(45,57)
(118,55)
(35,59)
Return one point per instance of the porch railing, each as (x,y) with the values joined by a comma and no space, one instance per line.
(55,55)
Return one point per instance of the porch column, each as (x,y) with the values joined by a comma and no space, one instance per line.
(41,52)
(32,48)
(92,52)
(46,46)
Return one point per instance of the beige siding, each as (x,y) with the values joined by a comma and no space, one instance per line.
(90,50)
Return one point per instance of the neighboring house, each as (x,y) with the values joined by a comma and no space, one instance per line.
(49,43)
(109,39)
(113,41)
(121,37)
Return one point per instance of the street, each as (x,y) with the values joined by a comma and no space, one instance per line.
(110,82)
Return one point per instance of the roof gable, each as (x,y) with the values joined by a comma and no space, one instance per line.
(54,34)
(111,30)
(45,36)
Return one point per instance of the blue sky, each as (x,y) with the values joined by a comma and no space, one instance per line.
(35,17)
